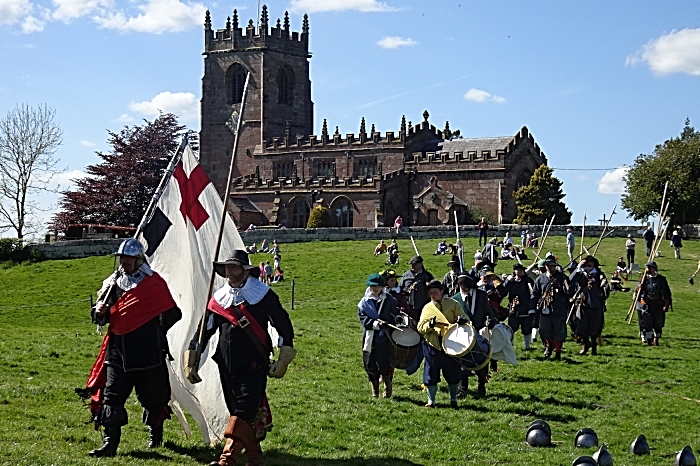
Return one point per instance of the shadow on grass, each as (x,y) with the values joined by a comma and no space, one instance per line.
(550,401)
(201,453)
(146,455)
(277,457)
(524,378)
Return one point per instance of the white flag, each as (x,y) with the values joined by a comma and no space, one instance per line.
(180,240)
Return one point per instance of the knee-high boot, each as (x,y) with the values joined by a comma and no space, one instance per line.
(110,442)
(238,435)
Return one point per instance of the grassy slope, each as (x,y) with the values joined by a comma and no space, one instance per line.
(323,414)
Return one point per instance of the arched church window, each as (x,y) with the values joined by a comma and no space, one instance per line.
(285,86)
(300,213)
(341,212)
(235,81)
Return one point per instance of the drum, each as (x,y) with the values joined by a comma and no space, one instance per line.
(405,344)
(463,343)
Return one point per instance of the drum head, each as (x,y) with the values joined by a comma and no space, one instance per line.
(458,340)
(407,337)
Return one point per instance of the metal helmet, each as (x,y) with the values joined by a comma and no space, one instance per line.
(584,461)
(538,438)
(586,438)
(603,456)
(542,425)
(685,457)
(640,446)
(131,247)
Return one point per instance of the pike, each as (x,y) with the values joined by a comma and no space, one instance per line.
(583,232)
(604,229)
(460,251)
(414,246)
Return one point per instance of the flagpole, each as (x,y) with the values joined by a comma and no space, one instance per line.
(161,186)
(224,213)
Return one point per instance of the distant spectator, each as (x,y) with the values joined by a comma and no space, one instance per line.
(268,272)
(523,243)
(507,239)
(649,238)
(528,239)
(264,247)
(533,240)
(393,246)
(262,272)
(275,249)
(676,243)
(398,223)
(483,230)
(380,249)
(279,275)
(252,249)
(278,261)
(629,246)
(477,255)
(441,248)
(622,268)
(506,252)
(393,257)
(570,244)
(251,227)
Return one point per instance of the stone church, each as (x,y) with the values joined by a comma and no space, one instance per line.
(366,179)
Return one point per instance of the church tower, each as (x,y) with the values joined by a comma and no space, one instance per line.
(278,102)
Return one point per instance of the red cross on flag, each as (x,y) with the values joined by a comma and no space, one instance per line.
(180,238)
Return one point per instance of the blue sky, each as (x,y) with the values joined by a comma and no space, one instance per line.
(596,82)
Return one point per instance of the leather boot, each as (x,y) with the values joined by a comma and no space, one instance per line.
(594,348)
(155,436)
(388,386)
(239,435)
(584,348)
(375,388)
(110,442)
(253,454)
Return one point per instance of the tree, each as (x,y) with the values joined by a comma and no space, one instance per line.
(29,138)
(677,161)
(541,199)
(320,217)
(118,190)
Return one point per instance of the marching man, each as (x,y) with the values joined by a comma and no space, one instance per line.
(240,310)
(140,310)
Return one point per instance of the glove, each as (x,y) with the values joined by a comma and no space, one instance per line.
(190,368)
(461,320)
(279,368)
(383,325)
(491,323)
(691,281)
(431,322)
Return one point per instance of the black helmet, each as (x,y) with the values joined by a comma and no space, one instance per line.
(584,461)
(685,457)
(539,434)
(640,446)
(586,438)
(603,456)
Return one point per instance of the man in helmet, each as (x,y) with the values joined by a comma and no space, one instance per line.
(413,283)
(590,291)
(550,298)
(240,311)
(654,302)
(136,303)
(518,288)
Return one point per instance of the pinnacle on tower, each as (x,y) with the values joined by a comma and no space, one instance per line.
(263,17)
(324,131)
(279,23)
(372,131)
(403,124)
(425,116)
(286,21)
(305,25)
(337,132)
(363,129)
(250,24)
(235,19)
(228,23)
(207,20)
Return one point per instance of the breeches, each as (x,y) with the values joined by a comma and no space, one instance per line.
(521,322)
(653,318)
(590,322)
(244,390)
(436,361)
(377,361)
(152,390)
(553,327)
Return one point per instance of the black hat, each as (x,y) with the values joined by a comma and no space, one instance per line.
(388,273)
(518,265)
(590,258)
(434,283)
(453,261)
(651,264)
(550,260)
(238,257)
(467,280)
(416,260)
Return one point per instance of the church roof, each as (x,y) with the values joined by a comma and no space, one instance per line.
(244,204)
(476,144)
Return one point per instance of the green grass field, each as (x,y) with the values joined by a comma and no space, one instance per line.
(323,411)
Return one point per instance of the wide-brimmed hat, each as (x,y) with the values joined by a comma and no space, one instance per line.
(416,260)
(389,273)
(540,263)
(550,260)
(453,261)
(651,264)
(592,259)
(467,280)
(237,257)
(518,265)
(434,283)
(375,280)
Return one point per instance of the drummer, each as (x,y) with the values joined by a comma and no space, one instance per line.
(475,304)
(437,315)
(392,287)
(376,310)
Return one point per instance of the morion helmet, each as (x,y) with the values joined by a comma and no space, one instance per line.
(603,456)
(586,438)
(130,247)
(539,434)
(640,446)
(685,457)
(584,461)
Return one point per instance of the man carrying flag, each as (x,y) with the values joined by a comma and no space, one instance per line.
(139,308)
(240,311)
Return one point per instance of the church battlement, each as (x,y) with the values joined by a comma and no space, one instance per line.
(276,38)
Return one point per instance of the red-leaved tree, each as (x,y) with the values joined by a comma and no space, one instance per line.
(118,190)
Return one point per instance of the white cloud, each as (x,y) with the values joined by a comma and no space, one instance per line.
(12,11)
(613,182)
(157,16)
(478,95)
(182,104)
(65,180)
(70,9)
(315,6)
(87,143)
(125,118)
(392,42)
(675,52)
(32,24)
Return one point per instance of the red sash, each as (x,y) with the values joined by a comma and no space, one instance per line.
(135,307)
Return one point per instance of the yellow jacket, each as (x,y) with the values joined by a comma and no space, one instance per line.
(445,313)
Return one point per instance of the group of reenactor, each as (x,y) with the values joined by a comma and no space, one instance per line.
(542,300)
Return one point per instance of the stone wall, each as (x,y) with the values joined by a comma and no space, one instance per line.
(77,248)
